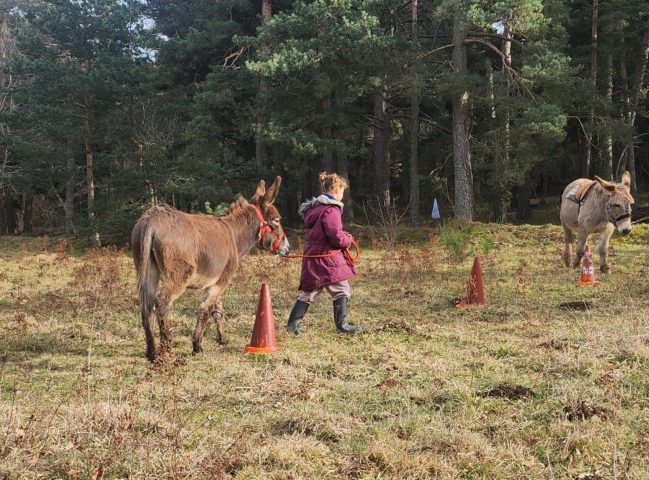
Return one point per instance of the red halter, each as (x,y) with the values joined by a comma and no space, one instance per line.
(265,228)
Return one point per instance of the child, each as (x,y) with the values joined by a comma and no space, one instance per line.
(323,219)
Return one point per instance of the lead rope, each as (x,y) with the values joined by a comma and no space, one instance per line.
(345,251)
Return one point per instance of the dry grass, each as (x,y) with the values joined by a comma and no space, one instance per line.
(521,388)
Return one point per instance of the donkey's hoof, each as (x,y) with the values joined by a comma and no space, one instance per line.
(605,269)
(222,341)
(196,348)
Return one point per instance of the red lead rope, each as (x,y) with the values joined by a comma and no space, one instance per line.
(346,253)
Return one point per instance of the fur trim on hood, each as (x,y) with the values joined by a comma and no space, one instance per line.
(315,201)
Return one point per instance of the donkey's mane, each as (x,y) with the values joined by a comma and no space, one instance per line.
(619,188)
(236,209)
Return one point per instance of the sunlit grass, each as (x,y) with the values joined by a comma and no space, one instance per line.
(418,395)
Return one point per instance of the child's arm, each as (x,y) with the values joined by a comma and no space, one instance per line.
(332,225)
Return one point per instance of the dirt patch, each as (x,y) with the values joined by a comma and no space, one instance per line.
(290,426)
(558,344)
(396,325)
(512,392)
(583,410)
(589,476)
(579,305)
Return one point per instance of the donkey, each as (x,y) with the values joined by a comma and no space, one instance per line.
(182,250)
(589,206)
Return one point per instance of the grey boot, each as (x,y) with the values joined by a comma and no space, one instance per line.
(296,316)
(340,317)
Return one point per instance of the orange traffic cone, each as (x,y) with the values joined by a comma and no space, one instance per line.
(475,291)
(263,333)
(587,276)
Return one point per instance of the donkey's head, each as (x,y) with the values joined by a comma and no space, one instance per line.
(618,206)
(271,233)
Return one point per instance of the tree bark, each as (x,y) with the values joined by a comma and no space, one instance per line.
(624,80)
(588,154)
(415,100)
(3,211)
(10,208)
(461,125)
(327,157)
(524,212)
(342,162)
(261,148)
(28,209)
(90,169)
(381,147)
(68,205)
(634,99)
(608,140)
(503,186)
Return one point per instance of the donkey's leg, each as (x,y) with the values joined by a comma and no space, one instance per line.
(147,321)
(568,240)
(604,237)
(582,238)
(149,314)
(211,305)
(212,298)
(169,292)
(218,314)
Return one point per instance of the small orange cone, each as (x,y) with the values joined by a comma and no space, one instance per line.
(263,333)
(475,291)
(587,276)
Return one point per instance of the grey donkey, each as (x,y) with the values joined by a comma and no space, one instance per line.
(589,206)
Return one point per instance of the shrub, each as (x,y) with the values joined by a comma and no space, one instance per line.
(456,239)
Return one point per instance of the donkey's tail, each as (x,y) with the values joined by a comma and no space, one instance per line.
(145,285)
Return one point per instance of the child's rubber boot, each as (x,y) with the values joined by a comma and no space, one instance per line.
(340,317)
(296,316)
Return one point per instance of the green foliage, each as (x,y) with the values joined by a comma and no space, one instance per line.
(456,238)
(167,95)
(486,244)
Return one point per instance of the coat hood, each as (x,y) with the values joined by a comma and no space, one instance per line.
(317,201)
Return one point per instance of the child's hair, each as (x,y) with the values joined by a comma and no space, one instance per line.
(329,181)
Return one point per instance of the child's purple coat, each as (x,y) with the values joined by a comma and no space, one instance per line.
(324,235)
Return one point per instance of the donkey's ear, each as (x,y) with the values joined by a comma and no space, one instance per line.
(272,192)
(626,180)
(259,193)
(607,185)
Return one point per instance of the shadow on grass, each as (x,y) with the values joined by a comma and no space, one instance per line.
(19,348)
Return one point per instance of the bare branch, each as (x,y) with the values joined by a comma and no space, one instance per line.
(233,57)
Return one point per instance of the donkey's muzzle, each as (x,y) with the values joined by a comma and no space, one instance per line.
(625,231)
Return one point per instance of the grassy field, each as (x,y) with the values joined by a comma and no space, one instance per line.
(518,389)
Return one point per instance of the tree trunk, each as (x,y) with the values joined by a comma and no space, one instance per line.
(90,170)
(634,99)
(68,205)
(3,211)
(327,157)
(19,205)
(415,99)
(10,208)
(381,147)
(524,212)
(624,80)
(502,186)
(588,154)
(28,209)
(342,162)
(608,140)
(461,125)
(261,148)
